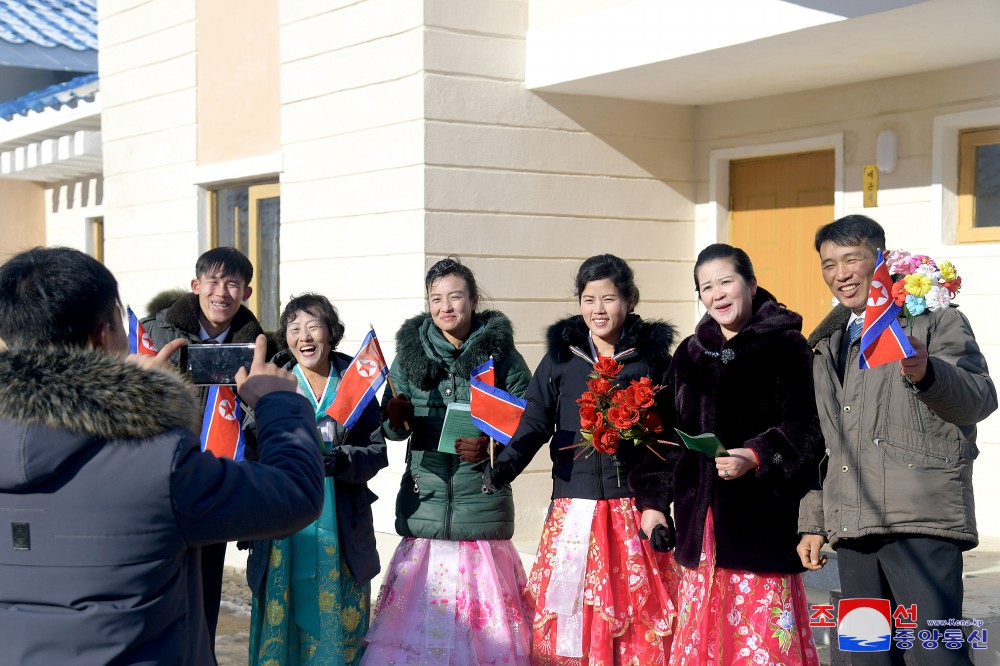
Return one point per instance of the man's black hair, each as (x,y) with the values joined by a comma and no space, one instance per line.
(852,230)
(55,296)
(224,260)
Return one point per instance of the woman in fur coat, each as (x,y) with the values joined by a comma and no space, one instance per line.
(746,376)
(601,593)
(452,592)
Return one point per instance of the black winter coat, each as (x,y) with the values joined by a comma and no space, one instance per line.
(553,416)
(756,391)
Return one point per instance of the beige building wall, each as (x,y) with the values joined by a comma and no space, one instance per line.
(525,187)
(239,110)
(908,206)
(352,189)
(148,95)
(22,216)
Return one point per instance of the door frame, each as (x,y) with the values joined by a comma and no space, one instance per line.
(713,226)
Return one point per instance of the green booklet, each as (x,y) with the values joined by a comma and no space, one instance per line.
(457,423)
(706,443)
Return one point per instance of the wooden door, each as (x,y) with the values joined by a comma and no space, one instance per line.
(776,206)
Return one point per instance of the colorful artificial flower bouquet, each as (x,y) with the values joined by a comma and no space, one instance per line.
(610,415)
(920,283)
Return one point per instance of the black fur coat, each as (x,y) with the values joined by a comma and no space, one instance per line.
(756,391)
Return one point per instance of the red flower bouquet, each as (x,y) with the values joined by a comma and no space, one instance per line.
(611,416)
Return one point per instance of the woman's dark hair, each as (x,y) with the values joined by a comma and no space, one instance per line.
(852,230)
(55,296)
(452,265)
(608,267)
(318,305)
(742,264)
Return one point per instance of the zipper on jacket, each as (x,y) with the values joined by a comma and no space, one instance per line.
(920,414)
(878,442)
(451,499)
(600,476)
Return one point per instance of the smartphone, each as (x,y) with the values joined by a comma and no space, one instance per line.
(208,365)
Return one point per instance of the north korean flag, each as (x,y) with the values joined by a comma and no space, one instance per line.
(484,372)
(220,428)
(882,338)
(360,382)
(494,411)
(139,341)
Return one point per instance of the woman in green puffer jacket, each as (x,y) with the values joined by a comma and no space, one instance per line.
(453,591)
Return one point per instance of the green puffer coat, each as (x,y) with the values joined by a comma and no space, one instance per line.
(440,496)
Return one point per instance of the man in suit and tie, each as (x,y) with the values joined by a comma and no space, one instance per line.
(896,500)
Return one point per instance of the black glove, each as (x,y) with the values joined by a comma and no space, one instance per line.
(400,412)
(334,463)
(472,449)
(664,537)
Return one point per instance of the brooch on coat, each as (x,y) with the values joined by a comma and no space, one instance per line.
(726,355)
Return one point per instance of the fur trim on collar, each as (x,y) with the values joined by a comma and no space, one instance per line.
(183,314)
(93,392)
(652,338)
(836,320)
(496,340)
(769,319)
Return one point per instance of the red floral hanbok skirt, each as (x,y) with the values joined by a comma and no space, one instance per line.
(728,616)
(602,596)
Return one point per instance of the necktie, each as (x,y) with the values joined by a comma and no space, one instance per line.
(854,330)
(853,333)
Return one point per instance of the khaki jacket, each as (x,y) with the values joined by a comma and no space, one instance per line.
(899,458)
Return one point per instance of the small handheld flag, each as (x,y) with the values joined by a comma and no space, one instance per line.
(494,411)
(220,429)
(882,338)
(361,380)
(139,341)
(484,372)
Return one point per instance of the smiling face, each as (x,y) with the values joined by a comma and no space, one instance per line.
(451,307)
(604,310)
(310,341)
(848,271)
(727,297)
(219,298)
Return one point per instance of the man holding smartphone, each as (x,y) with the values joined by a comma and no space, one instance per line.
(107,494)
(212,313)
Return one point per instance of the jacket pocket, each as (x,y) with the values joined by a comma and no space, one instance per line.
(922,485)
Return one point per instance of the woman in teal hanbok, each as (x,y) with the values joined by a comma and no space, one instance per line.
(312,590)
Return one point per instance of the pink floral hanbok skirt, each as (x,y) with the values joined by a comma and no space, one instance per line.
(734,617)
(451,603)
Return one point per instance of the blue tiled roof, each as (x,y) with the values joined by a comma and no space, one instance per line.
(69,23)
(54,97)
(49,34)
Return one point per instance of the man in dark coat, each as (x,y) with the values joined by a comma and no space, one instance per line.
(108,495)
(213,312)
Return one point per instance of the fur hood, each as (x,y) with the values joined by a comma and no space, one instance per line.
(652,339)
(769,319)
(183,315)
(85,394)
(496,339)
(835,321)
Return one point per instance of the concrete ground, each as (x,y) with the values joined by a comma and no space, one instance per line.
(982,599)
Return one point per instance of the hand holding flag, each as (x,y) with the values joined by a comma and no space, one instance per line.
(494,411)
(882,338)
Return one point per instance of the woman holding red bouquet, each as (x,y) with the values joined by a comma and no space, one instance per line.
(746,376)
(601,593)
